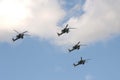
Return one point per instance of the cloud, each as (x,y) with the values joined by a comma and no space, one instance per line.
(45,16)
(12,15)
(39,17)
(99,21)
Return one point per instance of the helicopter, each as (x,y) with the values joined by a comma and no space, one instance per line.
(77,46)
(65,30)
(81,62)
(20,35)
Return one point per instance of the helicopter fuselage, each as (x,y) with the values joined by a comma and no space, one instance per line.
(81,62)
(66,30)
(20,36)
(76,47)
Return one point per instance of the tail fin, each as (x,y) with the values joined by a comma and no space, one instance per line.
(74,65)
(13,39)
(58,34)
(69,50)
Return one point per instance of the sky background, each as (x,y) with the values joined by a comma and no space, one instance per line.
(44,55)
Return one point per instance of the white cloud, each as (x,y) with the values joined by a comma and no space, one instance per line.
(40,17)
(99,22)
(12,15)
(45,16)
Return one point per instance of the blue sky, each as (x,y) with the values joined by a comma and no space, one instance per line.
(34,60)
(40,58)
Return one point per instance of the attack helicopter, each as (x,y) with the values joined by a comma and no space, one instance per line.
(76,47)
(81,62)
(19,35)
(65,30)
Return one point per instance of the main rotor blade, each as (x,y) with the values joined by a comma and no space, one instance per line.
(87,60)
(66,26)
(27,35)
(16,31)
(24,32)
(83,45)
(72,28)
(78,42)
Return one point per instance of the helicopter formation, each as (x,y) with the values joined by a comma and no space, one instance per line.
(75,47)
(63,31)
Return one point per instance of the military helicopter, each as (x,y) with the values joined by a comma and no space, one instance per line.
(65,30)
(77,46)
(20,35)
(81,62)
